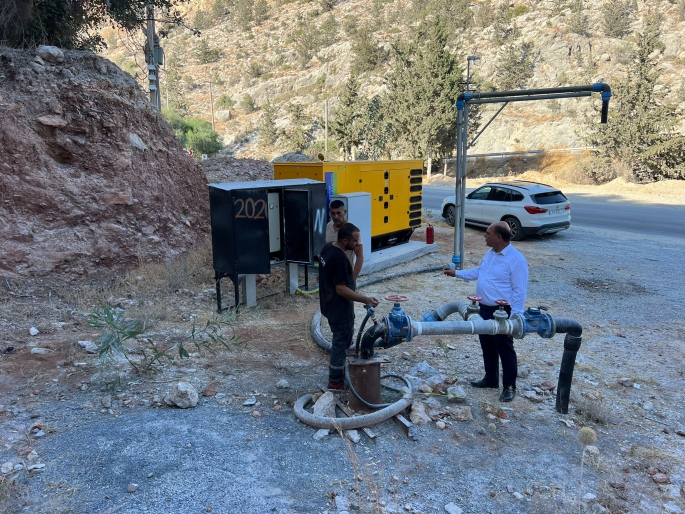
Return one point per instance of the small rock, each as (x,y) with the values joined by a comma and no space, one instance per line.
(210,390)
(532,396)
(341,503)
(547,386)
(106,401)
(132,488)
(461,413)
(40,351)
(425,369)
(523,371)
(680,431)
(39,434)
(320,434)
(249,402)
(35,467)
(50,54)
(425,388)
(6,467)
(588,497)
(648,406)
(325,405)
(32,455)
(440,425)
(418,414)
(34,331)
(278,408)
(661,478)
(627,382)
(452,508)
(218,396)
(88,346)
(456,394)
(150,475)
(406,356)
(617,485)
(182,395)
(518,495)
(282,384)
(256,414)
(353,435)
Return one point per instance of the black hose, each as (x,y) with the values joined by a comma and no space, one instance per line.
(361,329)
(568,326)
(568,361)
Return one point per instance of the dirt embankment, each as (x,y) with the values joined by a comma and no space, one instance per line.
(91,177)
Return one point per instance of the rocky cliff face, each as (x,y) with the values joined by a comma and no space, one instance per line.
(90,177)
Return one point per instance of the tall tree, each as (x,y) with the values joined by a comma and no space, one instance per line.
(616,14)
(74,23)
(268,133)
(345,123)
(423,85)
(515,66)
(640,130)
(298,135)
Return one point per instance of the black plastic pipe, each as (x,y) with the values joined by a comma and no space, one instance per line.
(573,331)
(369,339)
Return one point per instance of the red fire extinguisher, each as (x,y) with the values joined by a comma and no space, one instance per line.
(429,234)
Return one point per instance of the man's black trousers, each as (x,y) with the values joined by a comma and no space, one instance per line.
(342,339)
(496,348)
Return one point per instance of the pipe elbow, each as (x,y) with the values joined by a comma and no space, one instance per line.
(371,336)
(568,326)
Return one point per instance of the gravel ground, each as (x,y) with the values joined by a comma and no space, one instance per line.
(627,388)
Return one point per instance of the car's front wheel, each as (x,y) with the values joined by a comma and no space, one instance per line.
(450,215)
(515,229)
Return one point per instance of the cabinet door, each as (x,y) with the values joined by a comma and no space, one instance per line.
(296,225)
(251,231)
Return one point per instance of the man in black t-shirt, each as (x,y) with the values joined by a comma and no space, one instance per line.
(337,297)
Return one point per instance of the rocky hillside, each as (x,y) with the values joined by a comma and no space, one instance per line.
(90,177)
(262,60)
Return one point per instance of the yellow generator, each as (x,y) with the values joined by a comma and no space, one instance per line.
(395,188)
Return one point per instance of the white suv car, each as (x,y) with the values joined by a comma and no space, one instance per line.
(528,208)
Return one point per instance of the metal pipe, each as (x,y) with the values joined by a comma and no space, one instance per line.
(598,87)
(513,327)
(347,423)
(442,312)
(529,98)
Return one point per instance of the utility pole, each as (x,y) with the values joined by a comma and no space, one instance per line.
(153,75)
(211,97)
(325,131)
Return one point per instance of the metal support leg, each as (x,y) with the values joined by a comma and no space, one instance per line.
(293,279)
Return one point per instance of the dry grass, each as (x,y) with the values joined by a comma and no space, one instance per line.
(594,411)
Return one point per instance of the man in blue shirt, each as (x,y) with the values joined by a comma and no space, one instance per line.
(336,298)
(502,274)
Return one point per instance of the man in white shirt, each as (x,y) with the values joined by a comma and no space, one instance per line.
(338,219)
(502,274)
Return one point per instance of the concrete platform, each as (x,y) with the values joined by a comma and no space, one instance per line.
(394,255)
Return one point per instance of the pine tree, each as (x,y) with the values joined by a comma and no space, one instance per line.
(423,86)
(579,20)
(616,14)
(268,133)
(640,130)
(345,120)
(298,135)
(515,66)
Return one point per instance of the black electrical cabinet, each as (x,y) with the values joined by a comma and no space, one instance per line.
(245,241)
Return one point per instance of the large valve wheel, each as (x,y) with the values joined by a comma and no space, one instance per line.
(474,298)
(502,302)
(397,298)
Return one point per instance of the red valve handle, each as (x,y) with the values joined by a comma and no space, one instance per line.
(474,298)
(396,298)
(502,302)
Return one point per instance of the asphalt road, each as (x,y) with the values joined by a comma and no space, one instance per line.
(605,212)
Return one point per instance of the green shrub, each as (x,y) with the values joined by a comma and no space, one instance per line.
(224,102)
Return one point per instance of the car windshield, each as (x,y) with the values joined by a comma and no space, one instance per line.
(549,198)
(480,194)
